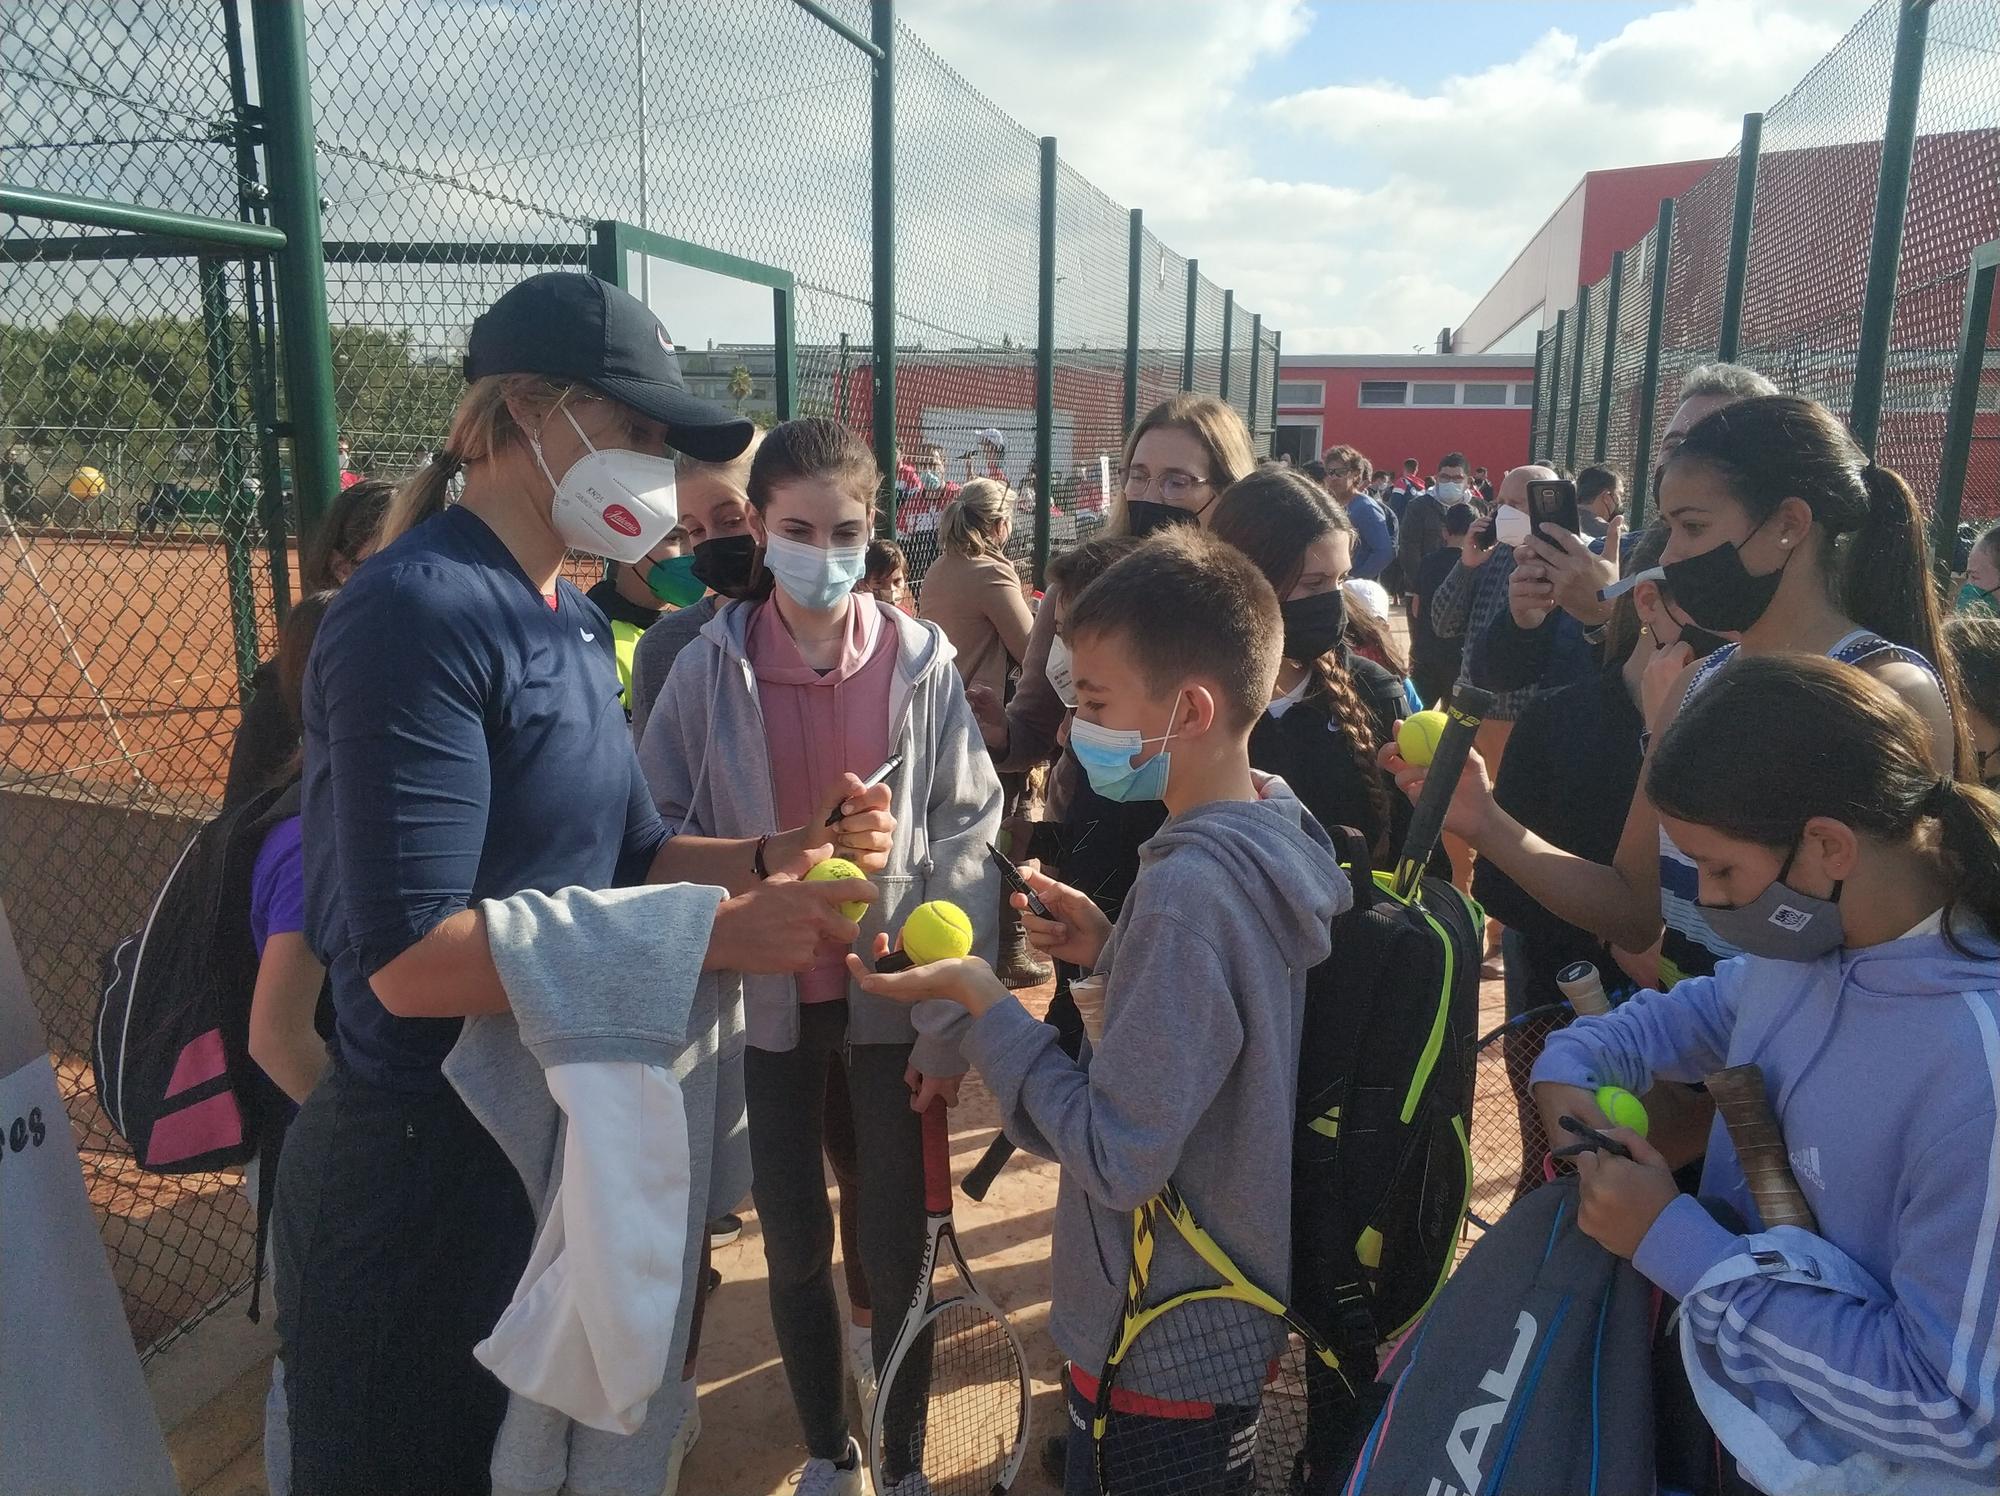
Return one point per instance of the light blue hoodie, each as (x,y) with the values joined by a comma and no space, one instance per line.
(1883,1065)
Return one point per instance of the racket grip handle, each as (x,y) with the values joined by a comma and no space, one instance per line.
(1739,1096)
(937,1159)
(991,1162)
(1580,983)
(1463,715)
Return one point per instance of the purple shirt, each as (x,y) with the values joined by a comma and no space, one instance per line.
(278,885)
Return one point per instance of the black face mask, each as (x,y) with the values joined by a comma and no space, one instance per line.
(1313,625)
(1700,640)
(1717,592)
(724,564)
(1143,516)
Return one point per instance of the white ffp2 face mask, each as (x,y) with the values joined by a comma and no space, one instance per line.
(613,502)
(1061,672)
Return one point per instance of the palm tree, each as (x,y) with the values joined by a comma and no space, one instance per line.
(740,386)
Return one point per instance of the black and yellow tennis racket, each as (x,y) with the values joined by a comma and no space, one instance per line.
(1206,1392)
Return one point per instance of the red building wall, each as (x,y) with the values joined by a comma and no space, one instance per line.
(1491,437)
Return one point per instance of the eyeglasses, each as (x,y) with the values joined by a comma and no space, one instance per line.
(1174,485)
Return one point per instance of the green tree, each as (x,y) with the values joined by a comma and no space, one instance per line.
(740,386)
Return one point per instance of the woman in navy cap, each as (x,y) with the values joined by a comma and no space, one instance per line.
(463,741)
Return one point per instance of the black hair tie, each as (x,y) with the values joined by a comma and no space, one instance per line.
(1940,796)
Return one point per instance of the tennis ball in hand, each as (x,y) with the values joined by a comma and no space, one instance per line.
(1623,1108)
(1417,738)
(937,931)
(838,870)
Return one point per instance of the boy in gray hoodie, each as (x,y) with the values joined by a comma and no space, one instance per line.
(1193,1074)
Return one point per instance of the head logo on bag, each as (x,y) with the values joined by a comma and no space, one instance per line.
(1465,1446)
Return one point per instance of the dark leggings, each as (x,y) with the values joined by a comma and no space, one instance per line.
(837,1124)
(786,1092)
(404,1232)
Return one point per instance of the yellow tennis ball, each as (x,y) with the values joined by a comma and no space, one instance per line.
(836,870)
(1418,737)
(937,931)
(1623,1108)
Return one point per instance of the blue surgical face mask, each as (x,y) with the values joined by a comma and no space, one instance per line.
(1106,755)
(814,577)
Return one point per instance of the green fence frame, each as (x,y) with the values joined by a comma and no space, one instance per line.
(1964,407)
(613,242)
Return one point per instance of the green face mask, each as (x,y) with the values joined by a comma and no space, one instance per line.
(673,581)
(1975,600)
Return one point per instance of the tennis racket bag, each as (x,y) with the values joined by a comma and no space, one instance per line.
(171,1046)
(1532,1374)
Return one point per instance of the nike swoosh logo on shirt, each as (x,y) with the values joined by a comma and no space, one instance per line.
(588,636)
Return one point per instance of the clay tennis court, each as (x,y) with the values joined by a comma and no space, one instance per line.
(119,661)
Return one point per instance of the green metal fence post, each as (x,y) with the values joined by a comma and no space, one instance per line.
(1964,407)
(1228,333)
(1885,250)
(882,128)
(1600,447)
(305,342)
(1535,400)
(1256,348)
(1649,374)
(1581,339)
(1134,254)
(1187,349)
(1546,448)
(1277,373)
(218,343)
(784,354)
(1739,238)
(1045,364)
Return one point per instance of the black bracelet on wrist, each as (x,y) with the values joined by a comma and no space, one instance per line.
(757,862)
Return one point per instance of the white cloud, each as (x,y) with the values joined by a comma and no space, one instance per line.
(1150,102)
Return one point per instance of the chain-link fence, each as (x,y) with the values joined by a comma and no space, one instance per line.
(150,441)
(1807,317)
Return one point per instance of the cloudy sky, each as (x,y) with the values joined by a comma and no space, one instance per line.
(1360,171)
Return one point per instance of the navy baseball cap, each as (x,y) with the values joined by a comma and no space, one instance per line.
(568,325)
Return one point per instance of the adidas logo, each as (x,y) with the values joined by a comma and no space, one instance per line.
(1805,1164)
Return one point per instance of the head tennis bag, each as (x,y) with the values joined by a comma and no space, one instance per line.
(1532,1374)
(171,1047)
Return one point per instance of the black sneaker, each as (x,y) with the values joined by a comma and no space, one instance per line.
(714,1279)
(724,1229)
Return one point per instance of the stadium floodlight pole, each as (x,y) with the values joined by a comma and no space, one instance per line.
(1892,200)
(1134,258)
(1228,332)
(1045,364)
(1581,341)
(305,343)
(882,17)
(1277,372)
(1649,373)
(1963,410)
(1600,447)
(1187,348)
(1731,334)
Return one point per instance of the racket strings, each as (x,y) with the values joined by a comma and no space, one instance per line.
(1211,1399)
(952,1420)
(1509,1146)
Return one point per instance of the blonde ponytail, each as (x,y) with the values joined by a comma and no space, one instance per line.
(971,522)
(482,427)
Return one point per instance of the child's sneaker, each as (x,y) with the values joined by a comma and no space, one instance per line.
(860,1345)
(833,1478)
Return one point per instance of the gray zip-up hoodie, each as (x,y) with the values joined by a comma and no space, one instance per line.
(705,757)
(1195,1077)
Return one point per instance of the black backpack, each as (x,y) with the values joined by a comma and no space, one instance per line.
(1380,1162)
(1533,1372)
(171,1046)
